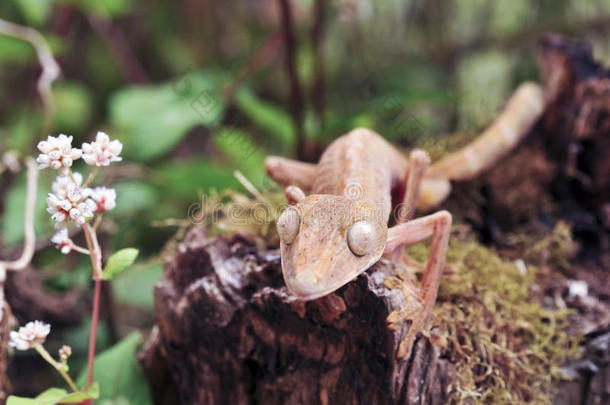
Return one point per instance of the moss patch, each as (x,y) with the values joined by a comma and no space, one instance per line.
(505,346)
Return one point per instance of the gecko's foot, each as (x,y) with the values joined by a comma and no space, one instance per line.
(409,313)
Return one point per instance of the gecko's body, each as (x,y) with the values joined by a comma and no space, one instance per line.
(349,185)
(341,229)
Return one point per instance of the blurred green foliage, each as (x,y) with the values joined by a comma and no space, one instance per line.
(119,375)
(212,96)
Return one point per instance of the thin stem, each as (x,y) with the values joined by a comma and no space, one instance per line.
(296,98)
(80,249)
(94,320)
(96,262)
(71,174)
(97,222)
(263,55)
(50,67)
(249,186)
(94,249)
(118,45)
(28,223)
(317,38)
(91,176)
(57,365)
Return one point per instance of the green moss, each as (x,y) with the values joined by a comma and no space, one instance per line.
(554,249)
(230,212)
(505,346)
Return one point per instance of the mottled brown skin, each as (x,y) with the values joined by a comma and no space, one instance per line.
(361,177)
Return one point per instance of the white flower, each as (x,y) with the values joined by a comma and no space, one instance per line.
(64,352)
(27,336)
(57,153)
(72,206)
(102,151)
(60,185)
(104,198)
(63,241)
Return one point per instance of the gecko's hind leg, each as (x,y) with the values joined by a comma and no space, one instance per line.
(521,112)
(523,109)
(290,172)
(421,303)
(418,163)
(419,160)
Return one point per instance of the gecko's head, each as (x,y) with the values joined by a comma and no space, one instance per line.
(328,240)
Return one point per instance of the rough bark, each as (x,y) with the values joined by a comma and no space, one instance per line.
(577,129)
(229,333)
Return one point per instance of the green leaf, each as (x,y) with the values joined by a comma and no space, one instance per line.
(183,179)
(73,103)
(23,129)
(15,50)
(12,220)
(244,152)
(136,286)
(106,8)
(35,12)
(54,396)
(48,397)
(154,118)
(119,262)
(119,373)
(135,196)
(92,393)
(268,117)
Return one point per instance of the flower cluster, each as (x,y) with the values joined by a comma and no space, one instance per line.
(57,153)
(73,206)
(64,353)
(102,151)
(29,335)
(63,241)
(104,198)
(71,201)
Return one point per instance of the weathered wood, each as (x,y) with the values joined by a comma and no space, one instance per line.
(577,119)
(229,333)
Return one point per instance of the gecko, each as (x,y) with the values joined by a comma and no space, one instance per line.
(339,230)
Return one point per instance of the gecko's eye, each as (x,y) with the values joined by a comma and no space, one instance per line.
(288,225)
(361,238)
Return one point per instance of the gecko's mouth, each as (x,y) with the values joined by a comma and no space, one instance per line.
(308,290)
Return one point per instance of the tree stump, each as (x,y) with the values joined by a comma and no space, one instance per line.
(228,332)
(577,130)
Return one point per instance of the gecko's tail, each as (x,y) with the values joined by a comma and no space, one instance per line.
(521,112)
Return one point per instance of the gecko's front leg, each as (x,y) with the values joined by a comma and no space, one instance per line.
(290,172)
(420,302)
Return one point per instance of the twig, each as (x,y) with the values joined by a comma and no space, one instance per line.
(94,248)
(57,365)
(249,186)
(96,262)
(95,316)
(259,58)
(28,222)
(50,67)
(296,98)
(317,39)
(117,43)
